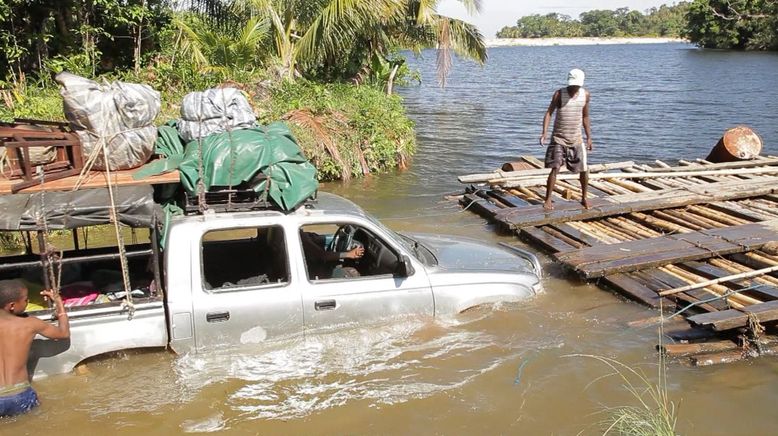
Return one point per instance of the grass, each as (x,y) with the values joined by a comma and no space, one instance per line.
(653,412)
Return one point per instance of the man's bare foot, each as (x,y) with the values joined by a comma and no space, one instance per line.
(585,204)
(548,205)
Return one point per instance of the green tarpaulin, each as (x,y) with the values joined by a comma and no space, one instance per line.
(235,159)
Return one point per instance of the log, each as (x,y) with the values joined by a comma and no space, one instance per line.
(537,181)
(717,358)
(706,283)
(480,178)
(696,348)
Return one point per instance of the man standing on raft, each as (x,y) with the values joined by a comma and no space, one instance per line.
(572,112)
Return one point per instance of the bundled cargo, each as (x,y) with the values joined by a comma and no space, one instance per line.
(121,114)
(263,159)
(214,111)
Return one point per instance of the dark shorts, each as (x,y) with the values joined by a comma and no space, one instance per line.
(572,156)
(19,403)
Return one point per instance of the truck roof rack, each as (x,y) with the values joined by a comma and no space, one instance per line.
(235,200)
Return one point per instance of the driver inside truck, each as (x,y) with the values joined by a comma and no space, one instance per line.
(320,261)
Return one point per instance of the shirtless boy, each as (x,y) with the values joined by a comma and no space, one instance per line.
(16,335)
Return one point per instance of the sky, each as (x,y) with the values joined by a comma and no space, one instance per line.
(496,14)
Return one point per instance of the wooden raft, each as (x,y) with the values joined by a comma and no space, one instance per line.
(695,222)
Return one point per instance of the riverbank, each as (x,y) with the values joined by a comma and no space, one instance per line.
(345,130)
(545,42)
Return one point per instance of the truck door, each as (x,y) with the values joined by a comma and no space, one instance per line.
(243,292)
(383,283)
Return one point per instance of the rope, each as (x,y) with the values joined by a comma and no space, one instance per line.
(755,330)
(232,152)
(128,302)
(201,206)
(49,259)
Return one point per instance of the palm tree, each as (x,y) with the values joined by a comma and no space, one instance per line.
(211,48)
(310,33)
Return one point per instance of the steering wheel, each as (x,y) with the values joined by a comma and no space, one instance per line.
(343,240)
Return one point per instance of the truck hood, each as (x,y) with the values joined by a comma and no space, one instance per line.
(465,254)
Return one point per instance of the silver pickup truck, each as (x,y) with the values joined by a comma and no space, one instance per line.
(246,277)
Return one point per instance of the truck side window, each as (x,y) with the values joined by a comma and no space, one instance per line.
(325,247)
(241,258)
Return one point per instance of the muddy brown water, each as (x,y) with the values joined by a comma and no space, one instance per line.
(517,369)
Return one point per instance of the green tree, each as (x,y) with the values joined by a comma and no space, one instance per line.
(738,24)
(600,22)
(212,48)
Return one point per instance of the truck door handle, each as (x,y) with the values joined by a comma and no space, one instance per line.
(325,305)
(217,316)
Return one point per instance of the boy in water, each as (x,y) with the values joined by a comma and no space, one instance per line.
(16,334)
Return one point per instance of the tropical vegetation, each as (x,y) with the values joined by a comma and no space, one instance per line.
(327,67)
(665,21)
(729,24)
(737,24)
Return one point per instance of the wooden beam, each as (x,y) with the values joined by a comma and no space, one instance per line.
(565,211)
(499,174)
(601,260)
(733,318)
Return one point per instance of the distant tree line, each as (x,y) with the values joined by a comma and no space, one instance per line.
(665,21)
(733,24)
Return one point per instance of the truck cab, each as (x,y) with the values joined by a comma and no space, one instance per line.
(247,277)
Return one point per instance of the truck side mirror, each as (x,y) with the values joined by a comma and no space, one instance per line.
(404,267)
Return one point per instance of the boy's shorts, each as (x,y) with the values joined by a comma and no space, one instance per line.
(572,156)
(17,399)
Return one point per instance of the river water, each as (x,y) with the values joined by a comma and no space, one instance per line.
(518,369)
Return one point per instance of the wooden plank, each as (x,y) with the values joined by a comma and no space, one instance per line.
(636,255)
(94,179)
(507,198)
(480,206)
(667,280)
(632,288)
(732,318)
(600,260)
(620,204)
(545,241)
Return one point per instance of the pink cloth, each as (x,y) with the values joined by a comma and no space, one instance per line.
(80,301)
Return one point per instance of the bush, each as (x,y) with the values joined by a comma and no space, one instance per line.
(345,130)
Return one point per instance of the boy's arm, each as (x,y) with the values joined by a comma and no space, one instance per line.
(62,329)
(547,118)
(586,123)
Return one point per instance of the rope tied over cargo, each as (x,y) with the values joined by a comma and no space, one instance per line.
(48,256)
(102,149)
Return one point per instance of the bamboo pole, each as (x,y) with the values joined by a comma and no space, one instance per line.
(487,177)
(735,300)
(534,180)
(663,225)
(719,280)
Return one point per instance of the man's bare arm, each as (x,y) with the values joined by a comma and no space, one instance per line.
(547,118)
(587,124)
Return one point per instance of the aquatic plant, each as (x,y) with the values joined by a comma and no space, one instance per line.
(654,413)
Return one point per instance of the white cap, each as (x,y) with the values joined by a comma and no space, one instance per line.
(575,77)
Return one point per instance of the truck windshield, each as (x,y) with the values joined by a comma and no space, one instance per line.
(419,251)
